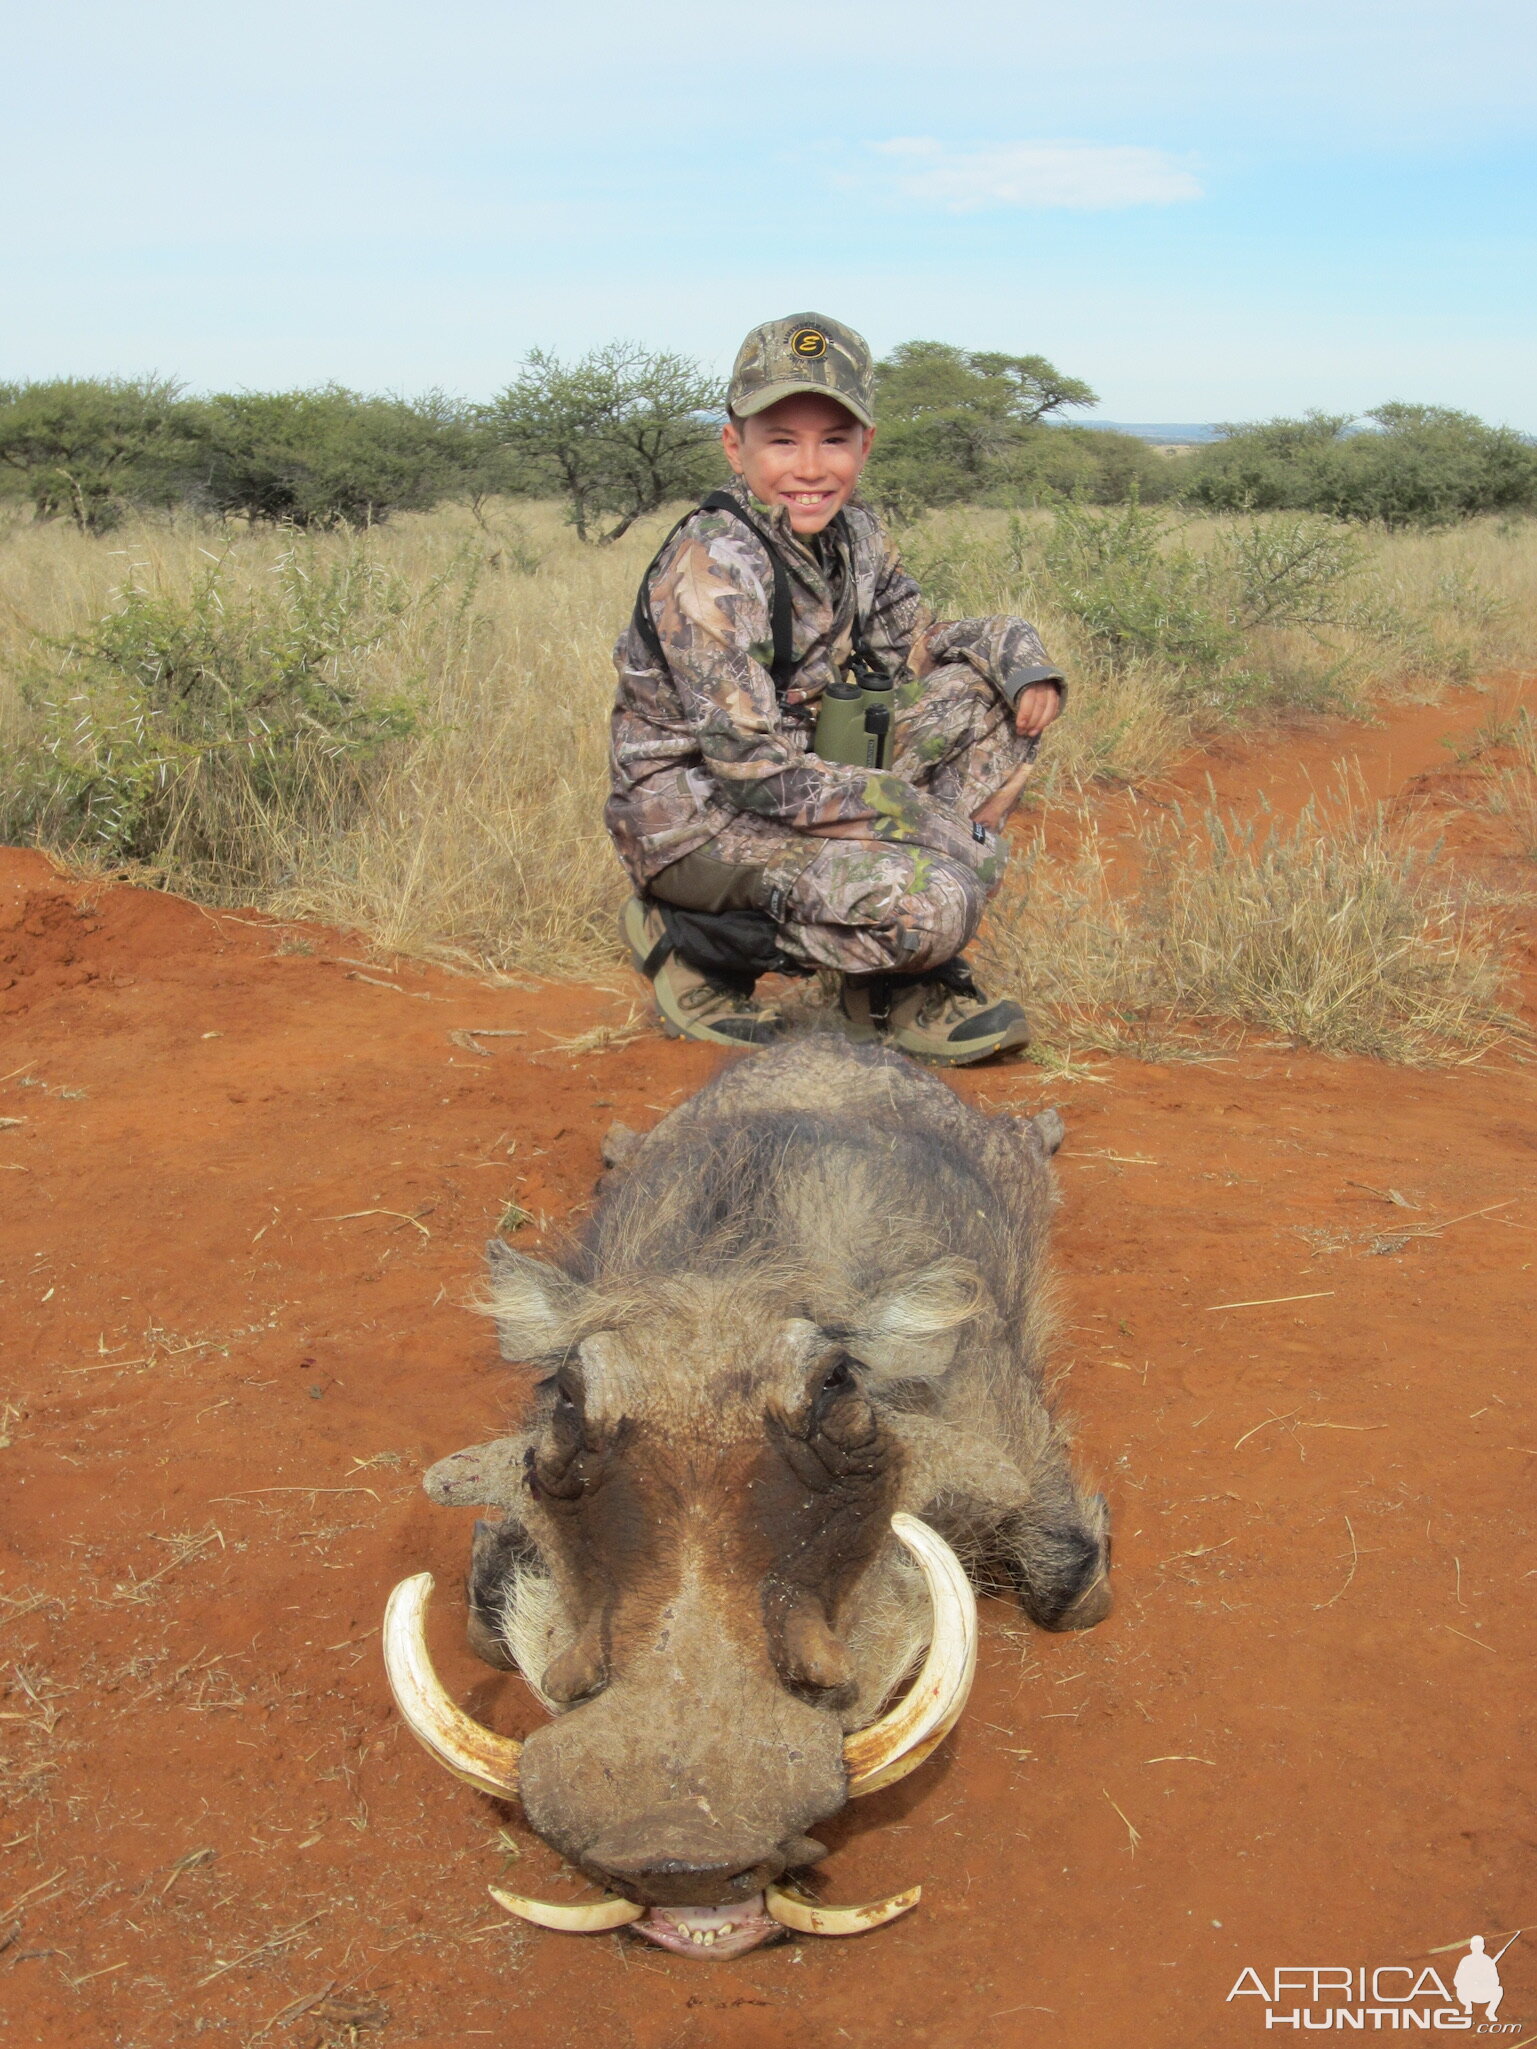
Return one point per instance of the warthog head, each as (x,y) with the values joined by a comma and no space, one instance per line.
(708,1565)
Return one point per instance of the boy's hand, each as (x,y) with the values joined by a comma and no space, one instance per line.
(1035,708)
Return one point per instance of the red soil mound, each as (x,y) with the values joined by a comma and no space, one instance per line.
(248,1175)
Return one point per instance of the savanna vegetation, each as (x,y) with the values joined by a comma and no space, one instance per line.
(404,729)
(623,431)
(1419,466)
(347,656)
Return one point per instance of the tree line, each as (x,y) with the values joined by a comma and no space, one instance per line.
(623,431)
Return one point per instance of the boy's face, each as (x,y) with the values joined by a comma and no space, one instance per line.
(805,453)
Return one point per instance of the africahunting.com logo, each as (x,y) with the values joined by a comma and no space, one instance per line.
(1359,1998)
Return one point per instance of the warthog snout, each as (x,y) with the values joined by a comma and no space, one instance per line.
(694,1774)
(676,1857)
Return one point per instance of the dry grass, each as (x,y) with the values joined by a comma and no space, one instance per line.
(1511,792)
(483,834)
(480,837)
(1337,932)
(1419,611)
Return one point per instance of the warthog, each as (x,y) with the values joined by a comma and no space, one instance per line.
(796,1360)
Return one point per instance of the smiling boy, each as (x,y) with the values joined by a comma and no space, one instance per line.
(747,850)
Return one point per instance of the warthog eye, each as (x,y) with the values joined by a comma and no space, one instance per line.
(558,1471)
(568,1395)
(838,1377)
(838,1412)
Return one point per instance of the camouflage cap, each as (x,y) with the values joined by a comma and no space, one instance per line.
(803,353)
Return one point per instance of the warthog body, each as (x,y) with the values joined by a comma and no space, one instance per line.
(813,1296)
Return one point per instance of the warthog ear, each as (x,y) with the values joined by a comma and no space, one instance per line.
(911,1332)
(535,1306)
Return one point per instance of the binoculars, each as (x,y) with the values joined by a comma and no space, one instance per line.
(854,722)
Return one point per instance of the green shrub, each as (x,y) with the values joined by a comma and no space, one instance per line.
(1137,596)
(1142,596)
(91,449)
(330,457)
(180,722)
(1423,466)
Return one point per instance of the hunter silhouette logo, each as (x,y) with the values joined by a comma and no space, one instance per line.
(808,342)
(1477,1979)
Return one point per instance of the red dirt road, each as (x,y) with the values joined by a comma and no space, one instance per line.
(243,1206)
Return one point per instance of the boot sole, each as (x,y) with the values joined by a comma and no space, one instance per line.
(970,1054)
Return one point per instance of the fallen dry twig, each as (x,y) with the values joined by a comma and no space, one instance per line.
(1269,1301)
(1134,1833)
(284,1935)
(348,1215)
(1354,1557)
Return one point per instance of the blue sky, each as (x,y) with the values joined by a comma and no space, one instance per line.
(1210,209)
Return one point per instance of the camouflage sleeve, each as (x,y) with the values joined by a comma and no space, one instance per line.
(900,629)
(710,603)
(1008,652)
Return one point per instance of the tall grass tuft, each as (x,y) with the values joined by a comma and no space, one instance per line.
(1335,931)
(1510,793)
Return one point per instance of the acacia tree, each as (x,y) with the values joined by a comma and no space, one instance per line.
(330,457)
(90,448)
(617,434)
(951,418)
(1034,386)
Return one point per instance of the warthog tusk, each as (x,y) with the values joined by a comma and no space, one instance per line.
(791,1910)
(592,1919)
(472,1752)
(903,1737)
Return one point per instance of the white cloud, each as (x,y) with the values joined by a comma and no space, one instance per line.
(1073,174)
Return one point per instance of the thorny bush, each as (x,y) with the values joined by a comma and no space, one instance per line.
(171,726)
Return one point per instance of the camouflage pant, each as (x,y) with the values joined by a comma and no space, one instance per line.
(861,905)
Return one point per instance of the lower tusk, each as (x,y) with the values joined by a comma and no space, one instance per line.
(591,1919)
(471,1751)
(899,1742)
(793,1910)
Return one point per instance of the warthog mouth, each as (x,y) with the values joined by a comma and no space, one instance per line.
(713,1931)
(720,1932)
(874,1757)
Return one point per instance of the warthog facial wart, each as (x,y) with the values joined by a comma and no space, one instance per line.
(790,1379)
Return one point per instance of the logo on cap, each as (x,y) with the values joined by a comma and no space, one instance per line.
(808,342)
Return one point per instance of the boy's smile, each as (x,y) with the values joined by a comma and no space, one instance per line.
(805,453)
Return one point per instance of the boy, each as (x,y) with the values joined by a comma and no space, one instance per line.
(747,850)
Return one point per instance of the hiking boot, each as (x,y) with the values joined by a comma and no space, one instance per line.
(942,1016)
(692,1006)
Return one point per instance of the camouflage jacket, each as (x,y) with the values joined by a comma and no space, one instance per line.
(704,737)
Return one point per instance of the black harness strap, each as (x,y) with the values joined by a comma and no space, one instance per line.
(782,668)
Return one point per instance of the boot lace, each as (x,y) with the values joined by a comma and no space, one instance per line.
(952,992)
